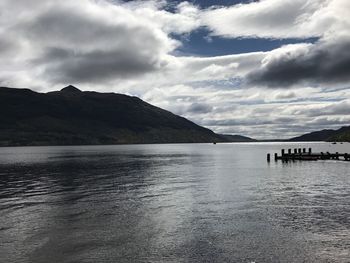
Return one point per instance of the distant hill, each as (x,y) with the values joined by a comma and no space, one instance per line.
(237,138)
(71,117)
(343,134)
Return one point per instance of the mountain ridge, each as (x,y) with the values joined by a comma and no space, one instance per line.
(74,117)
(340,135)
(237,138)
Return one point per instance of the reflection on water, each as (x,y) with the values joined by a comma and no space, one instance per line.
(172,203)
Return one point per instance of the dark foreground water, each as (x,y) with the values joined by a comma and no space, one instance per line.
(172,203)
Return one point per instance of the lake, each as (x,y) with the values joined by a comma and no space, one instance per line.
(172,203)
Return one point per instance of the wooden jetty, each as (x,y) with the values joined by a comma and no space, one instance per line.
(303,154)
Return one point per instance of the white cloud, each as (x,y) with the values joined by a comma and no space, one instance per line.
(270,19)
(184,20)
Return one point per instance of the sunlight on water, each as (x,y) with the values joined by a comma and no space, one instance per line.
(172,203)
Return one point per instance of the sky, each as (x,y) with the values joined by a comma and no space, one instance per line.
(264,69)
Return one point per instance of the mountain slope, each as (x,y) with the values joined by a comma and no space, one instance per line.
(237,138)
(343,134)
(71,116)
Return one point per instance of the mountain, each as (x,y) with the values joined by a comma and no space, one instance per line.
(314,136)
(237,138)
(71,116)
(343,134)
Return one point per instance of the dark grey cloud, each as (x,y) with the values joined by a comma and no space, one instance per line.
(321,63)
(61,24)
(70,66)
(7,46)
(4,46)
(199,108)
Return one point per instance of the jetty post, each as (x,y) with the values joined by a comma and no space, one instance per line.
(304,154)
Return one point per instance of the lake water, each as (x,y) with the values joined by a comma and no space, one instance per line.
(172,203)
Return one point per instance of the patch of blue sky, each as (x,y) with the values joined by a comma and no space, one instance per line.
(209,3)
(203,4)
(201,43)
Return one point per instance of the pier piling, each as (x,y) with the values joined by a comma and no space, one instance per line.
(304,154)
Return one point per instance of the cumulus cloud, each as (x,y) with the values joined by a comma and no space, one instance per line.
(184,20)
(267,19)
(90,41)
(325,62)
(320,63)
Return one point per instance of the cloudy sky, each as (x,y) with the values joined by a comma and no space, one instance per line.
(265,69)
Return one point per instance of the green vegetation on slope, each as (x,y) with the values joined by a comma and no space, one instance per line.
(70,117)
(341,135)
